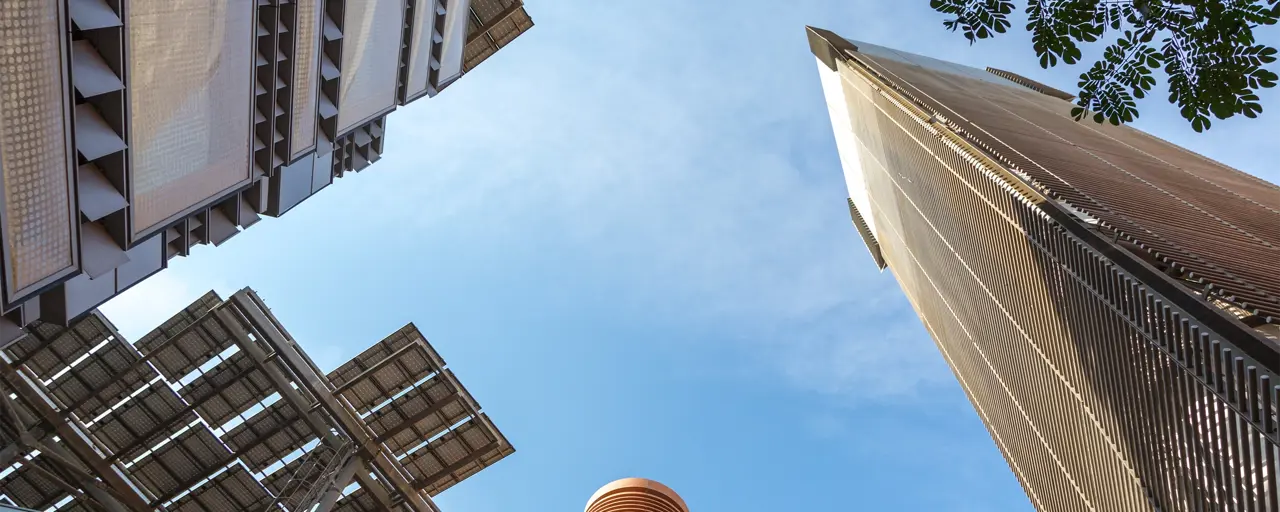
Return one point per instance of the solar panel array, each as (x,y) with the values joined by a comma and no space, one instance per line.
(196,423)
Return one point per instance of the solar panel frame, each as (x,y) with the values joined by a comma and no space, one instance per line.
(378,381)
(94,374)
(145,419)
(440,392)
(268,436)
(228,389)
(31,489)
(233,489)
(371,356)
(179,321)
(49,347)
(194,454)
(107,396)
(488,458)
(475,439)
(189,349)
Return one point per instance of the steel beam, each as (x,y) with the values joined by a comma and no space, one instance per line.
(128,495)
(319,388)
(340,482)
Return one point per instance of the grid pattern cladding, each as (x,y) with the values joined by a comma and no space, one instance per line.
(1210,223)
(34,157)
(191,105)
(370,60)
(1101,393)
(306,68)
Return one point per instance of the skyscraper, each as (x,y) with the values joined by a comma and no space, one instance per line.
(128,136)
(635,495)
(1107,300)
(219,408)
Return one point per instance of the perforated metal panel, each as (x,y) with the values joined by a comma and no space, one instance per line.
(306,79)
(370,60)
(35,158)
(422,27)
(190,104)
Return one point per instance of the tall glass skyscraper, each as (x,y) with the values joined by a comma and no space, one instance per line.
(1107,300)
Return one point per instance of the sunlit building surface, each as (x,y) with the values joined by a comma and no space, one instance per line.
(220,409)
(635,495)
(1107,300)
(128,136)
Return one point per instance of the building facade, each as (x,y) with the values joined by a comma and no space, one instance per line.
(219,408)
(635,495)
(132,131)
(1108,301)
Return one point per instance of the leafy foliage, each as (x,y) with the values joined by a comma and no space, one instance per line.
(1207,49)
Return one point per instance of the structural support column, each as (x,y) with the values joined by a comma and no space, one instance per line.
(129,498)
(351,425)
(340,482)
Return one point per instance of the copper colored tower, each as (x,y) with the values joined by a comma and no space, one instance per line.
(635,495)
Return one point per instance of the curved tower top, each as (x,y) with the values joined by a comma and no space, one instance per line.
(635,494)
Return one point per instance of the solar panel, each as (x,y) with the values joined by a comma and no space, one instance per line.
(191,349)
(122,386)
(95,373)
(49,347)
(179,321)
(228,389)
(387,368)
(268,436)
(407,335)
(140,423)
(453,457)
(420,414)
(186,458)
(233,489)
(30,488)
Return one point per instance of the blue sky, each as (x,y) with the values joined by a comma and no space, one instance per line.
(627,234)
